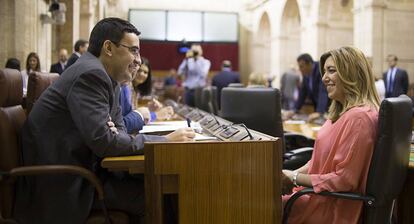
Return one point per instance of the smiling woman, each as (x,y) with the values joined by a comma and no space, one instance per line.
(344,145)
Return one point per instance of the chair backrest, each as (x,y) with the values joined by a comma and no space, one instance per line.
(214,99)
(208,102)
(390,158)
(12,117)
(258,108)
(236,85)
(38,82)
(197,97)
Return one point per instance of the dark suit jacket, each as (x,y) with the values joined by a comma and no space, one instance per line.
(56,68)
(317,94)
(223,79)
(68,125)
(400,83)
(72,59)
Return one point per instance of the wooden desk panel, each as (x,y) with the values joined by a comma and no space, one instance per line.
(218,182)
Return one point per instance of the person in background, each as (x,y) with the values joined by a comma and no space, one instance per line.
(78,121)
(59,67)
(135,116)
(32,65)
(289,88)
(380,87)
(257,80)
(80,47)
(344,145)
(224,78)
(171,79)
(395,79)
(312,88)
(195,70)
(13,63)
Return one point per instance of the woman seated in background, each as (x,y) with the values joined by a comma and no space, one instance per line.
(135,116)
(32,65)
(257,80)
(345,143)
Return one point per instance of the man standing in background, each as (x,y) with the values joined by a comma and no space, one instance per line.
(195,70)
(289,87)
(81,46)
(59,67)
(395,79)
(224,78)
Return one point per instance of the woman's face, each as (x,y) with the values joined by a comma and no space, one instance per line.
(32,63)
(331,80)
(142,75)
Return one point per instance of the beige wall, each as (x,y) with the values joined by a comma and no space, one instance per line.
(27,33)
(378,27)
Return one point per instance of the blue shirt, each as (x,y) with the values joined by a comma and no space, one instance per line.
(132,120)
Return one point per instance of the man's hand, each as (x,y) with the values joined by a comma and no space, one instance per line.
(144,111)
(181,135)
(112,127)
(165,113)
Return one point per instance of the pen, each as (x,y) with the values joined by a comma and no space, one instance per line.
(188,122)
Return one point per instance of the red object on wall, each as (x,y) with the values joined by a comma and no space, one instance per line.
(163,55)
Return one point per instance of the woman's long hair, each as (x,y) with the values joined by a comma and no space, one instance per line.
(144,89)
(355,72)
(34,55)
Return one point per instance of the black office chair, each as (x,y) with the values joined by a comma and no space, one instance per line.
(207,99)
(388,168)
(260,109)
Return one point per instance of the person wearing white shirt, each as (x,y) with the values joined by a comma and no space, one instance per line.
(195,70)
(32,65)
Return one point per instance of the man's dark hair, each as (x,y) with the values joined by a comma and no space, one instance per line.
(145,88)
(112,29)
(306,58)
(13,63)
(80,43)
(393,56)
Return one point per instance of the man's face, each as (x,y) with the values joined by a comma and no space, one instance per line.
(63,55)
(391,61)
(126,58)
(305,68)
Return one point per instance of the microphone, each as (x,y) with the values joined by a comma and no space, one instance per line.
(247,130)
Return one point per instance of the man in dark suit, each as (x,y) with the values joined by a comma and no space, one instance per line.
(312,87)
(395,79)
(78,121)
(81,46)
(224,78)
(60,65)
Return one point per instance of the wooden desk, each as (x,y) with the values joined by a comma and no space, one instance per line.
(131,164)
(217,182)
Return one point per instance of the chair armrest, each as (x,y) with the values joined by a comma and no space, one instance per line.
(368,200)
(56,169)
(298,152)
(294,141)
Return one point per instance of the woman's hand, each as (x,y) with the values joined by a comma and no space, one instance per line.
(181,135)
(287,184)
(165,113)
(144,111)
(154,105)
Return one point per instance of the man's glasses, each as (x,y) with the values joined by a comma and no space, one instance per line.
(133,49)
